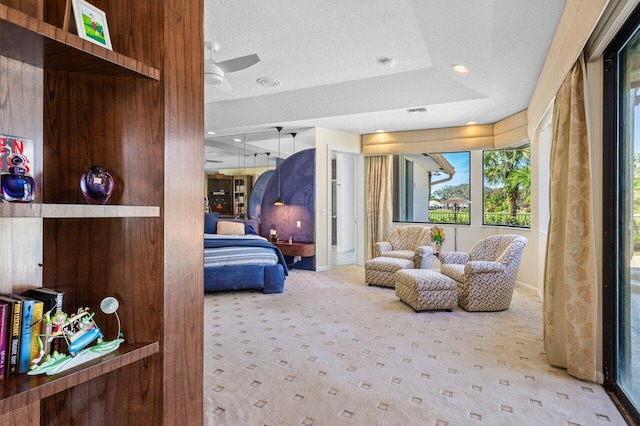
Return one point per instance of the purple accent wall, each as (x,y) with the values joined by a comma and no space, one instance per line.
(255,200)
(298,180)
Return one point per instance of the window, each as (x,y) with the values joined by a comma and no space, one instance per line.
(621,214)
(431,188)
(507,187)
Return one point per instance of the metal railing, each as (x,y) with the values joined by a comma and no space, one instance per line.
(521,220)
(445,216)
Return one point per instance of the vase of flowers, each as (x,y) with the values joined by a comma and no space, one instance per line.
(437,238)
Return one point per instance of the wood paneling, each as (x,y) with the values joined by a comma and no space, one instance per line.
(183,76)
(21,109)
(21,249)
(28,415)
(32,8)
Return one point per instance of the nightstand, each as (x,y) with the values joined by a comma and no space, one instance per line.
(296,249)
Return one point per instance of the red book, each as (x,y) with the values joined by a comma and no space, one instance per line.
(5,314)
(13,342)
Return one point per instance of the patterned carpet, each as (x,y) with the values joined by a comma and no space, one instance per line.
(331,350)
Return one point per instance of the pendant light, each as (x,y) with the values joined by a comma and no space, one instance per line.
(278,201)
(294,141)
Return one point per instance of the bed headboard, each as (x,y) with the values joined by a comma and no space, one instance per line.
(211,220)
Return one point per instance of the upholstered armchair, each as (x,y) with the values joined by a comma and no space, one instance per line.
(409,242)
(486,275)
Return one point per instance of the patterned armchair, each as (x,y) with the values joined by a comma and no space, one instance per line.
(410,242)
(486,274)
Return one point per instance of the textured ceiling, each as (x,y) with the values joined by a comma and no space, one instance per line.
(325,53)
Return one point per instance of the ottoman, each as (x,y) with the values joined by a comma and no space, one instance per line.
(381,270)
(424,289)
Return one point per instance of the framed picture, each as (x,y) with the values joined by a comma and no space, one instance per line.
(91,23)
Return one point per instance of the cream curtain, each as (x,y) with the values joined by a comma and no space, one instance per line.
(378,189)
(570,292)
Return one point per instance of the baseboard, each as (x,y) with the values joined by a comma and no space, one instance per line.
(322,268)
(530,288)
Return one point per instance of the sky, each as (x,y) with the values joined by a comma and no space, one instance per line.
(461,163)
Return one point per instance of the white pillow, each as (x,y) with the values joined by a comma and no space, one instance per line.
(230,228)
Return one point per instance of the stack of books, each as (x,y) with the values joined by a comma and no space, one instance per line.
(22,328)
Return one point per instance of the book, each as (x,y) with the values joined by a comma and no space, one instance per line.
(52,300)
(36,330)
(26,325)
(5,314)
(14,334)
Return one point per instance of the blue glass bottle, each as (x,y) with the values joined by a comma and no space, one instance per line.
(17,186)
(97,185)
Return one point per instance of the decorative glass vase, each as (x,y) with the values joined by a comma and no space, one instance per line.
(97,185)
(17,186)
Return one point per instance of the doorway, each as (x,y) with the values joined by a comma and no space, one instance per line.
(343,208)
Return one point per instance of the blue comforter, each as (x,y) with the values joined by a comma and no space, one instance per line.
(238,242)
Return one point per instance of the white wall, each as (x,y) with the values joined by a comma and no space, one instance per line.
(540,161)
(326,141)
(346,208)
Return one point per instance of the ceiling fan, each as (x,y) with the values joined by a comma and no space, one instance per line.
(214,71)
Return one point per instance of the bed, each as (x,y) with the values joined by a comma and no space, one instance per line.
(242,261)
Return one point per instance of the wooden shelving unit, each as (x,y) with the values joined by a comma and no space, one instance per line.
(138,111)
(19,391)
(220,193)
(34,42)
(241,193)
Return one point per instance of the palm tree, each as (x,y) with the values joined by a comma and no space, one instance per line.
(512,169)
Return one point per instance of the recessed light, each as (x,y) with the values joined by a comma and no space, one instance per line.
(379,131)
(268,82)
(460,68)
(416,110)
(237,140)
(471,123)
(211,133)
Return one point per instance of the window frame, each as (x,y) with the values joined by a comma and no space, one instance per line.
(612,163)
(395,185)
(484,222)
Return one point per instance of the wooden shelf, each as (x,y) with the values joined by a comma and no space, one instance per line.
(23,389)
(32,41)
(71,211)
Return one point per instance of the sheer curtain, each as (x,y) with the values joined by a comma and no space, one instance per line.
(570,277)
(378,189)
